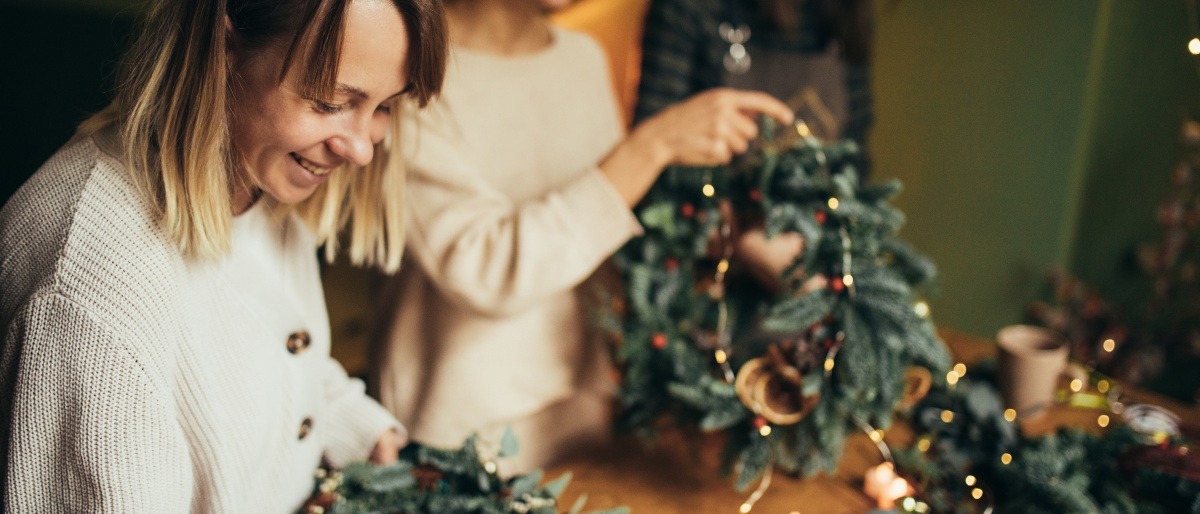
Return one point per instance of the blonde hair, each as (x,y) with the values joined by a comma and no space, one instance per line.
(172,112)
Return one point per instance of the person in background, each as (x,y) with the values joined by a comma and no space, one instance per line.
(521,185)
(812,54)
(166,344)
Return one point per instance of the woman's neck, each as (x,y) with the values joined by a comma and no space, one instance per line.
(502,27)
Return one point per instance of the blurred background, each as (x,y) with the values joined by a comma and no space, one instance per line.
(1031,136)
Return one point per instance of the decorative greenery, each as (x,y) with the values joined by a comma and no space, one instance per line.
(1070,472)
(822,352)
(432,480)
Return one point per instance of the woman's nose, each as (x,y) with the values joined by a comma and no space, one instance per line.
(356,144)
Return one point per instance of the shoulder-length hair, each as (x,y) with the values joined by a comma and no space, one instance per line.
(172,111)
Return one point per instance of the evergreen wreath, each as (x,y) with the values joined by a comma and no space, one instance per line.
(784,375)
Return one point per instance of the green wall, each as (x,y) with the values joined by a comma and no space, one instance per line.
(1030,135)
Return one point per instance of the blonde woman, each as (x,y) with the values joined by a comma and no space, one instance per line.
(165,344)
(521,185)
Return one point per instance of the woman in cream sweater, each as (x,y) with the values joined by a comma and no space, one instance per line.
(165,344)
(521,184)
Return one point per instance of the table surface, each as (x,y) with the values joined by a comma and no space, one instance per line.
(679,473)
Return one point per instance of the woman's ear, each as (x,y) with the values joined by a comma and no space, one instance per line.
(230,39)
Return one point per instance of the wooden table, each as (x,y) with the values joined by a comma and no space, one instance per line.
(679,474)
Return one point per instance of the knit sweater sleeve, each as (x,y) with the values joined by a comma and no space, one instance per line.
(355,421)
(490,253)
(91,429)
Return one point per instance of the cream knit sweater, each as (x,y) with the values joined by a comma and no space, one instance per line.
(507,216)
(134,380)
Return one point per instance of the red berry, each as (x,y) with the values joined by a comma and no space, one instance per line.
(760,422)
(687,210)
(837,285)
(671,263)
(755,195)
(820,216)
(659,341)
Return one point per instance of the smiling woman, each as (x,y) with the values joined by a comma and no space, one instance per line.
(166,344)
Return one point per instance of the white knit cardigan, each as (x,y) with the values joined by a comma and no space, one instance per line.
(135,380)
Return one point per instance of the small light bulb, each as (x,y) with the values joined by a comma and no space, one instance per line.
(947,416)
(1194,46)
(970,480)
(723,266)
(961,369)
(1102,386)
(489,466)
(833,204)
(977,493)
(745,508)
(709,190)
(1076,385)
(1010,415)
(1102,420)
(951,378)
(923,444)
(876,435)
(828,364)
(721,356)
(1109,344)
(922,309)
(848,280)
(1006,459)
(765,430)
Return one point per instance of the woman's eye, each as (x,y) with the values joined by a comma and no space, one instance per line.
(327,108)
(384,109)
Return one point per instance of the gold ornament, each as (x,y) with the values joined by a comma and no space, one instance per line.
(774,389)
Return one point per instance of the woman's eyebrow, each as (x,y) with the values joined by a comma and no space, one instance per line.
(358,93)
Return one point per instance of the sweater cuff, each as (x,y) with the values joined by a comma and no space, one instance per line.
(354,427)
(604,218)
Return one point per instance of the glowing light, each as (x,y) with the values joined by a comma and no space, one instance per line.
(721,356)
(1194,46)
(961,369)
(765,430)
(723,266)
(922,309)
(848,280)
(947,416)
(1076,385)
(1110,345)
(1102,420)
(951,378)
(970,480)
(977,493)
(923,444)
(877,435)
(1010,415)
(1102,386)
(908,504)
(828,364)
(833,203)
(745,508)
(490,466)
(709,190)
(1006,459)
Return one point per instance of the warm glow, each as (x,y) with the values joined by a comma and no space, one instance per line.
(848,280)
(489,466)
(1110,345)
(923,444)
(1010,414)
(1006,459)
(877,435)
(1076,385)
(1102,420)
(745,508)
(833,203)
(1102,386)
(961,369)
(709,190)
(977,493)
(721,356)
(922,309)
(947,416)
(828,364)
(1194,46)
(952,378)
(970,480)
(765,430)
(723,266)
(882,484)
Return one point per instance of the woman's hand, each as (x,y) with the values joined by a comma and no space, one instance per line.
(387,447)
(706,129)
